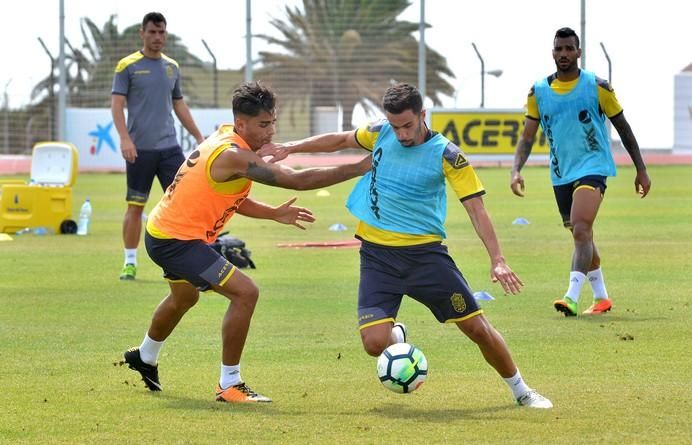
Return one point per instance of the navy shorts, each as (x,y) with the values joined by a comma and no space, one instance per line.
(162,164)
(564,194)
(192,261)
(424,272)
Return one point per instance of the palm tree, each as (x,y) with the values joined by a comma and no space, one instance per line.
(347,52)
(76,67)
(106,46)
(90,68)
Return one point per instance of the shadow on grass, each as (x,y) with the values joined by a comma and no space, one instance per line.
(442,415)
(143,281)
(207,403)
(387,411)
(609,318)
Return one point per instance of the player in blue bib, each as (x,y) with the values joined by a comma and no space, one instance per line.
(402,206)
(571,107)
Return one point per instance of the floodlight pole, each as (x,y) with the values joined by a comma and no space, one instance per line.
(610,79)
(78,59)
(610,67)
(6,107)
(51,83)
(482,74)
(62,75)
(583,34)
(421,52)
(248,40)
(216,75)
(496,73)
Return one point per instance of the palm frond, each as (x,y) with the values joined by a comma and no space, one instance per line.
(346,52)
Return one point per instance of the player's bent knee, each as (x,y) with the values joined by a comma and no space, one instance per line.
(251,291)
(374,346)
(246,294)
(183,296)
(581,231)
(190,300)
(185,305)
(482,335)
(251,295)
(477,329)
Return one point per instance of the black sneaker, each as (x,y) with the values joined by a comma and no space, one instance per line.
(150,374)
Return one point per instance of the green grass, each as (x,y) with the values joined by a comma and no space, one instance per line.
(65,320)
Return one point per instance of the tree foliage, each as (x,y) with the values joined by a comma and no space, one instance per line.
(90,68)
(347,52)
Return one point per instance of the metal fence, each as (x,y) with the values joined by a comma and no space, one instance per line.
(326,60)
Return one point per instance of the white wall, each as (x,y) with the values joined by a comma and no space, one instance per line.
(682,114)
(91,130)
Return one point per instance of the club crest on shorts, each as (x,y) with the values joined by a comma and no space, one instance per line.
(458,302)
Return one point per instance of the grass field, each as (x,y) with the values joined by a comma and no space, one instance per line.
(621,378)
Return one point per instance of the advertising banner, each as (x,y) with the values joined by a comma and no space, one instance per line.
(91,130)
(481,131)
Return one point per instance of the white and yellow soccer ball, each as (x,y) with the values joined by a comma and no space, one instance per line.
(402,368)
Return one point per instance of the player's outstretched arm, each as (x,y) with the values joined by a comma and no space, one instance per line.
(321,143)
(286,213)
(499,269)
(233,164)
(642,182)
(521,155)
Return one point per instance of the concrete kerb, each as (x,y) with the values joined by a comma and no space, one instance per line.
(21,164)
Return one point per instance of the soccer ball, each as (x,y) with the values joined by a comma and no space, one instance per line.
(402,368)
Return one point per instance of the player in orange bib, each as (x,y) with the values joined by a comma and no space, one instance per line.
(210,187)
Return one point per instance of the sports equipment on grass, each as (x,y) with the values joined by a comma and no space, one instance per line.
(402,368)
(234,250)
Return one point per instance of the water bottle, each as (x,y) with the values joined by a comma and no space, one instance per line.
(84,217)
